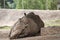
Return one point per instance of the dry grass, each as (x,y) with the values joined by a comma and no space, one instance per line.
(55,22)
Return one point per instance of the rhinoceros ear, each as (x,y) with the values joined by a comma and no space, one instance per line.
(25,14)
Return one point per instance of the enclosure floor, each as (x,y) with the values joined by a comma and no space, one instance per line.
(4,36)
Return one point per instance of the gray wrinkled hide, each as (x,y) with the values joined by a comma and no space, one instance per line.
(24,27)
(28,25)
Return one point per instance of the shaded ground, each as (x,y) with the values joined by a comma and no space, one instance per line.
(48,33)
(48,37)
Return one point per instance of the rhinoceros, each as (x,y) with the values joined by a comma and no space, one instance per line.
(27,26)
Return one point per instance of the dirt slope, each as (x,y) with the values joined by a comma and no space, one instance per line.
(9,17)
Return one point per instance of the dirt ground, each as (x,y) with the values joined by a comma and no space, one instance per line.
(4,35)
